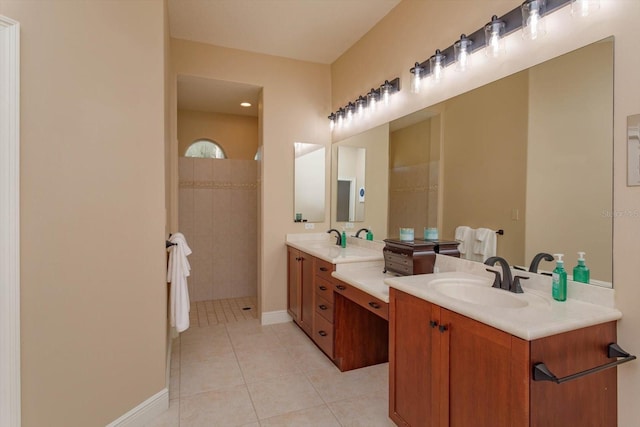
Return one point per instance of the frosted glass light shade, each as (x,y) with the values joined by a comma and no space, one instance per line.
(494,36)
(533,22)
(462,53)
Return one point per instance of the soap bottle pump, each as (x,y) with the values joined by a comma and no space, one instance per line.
(559,280)
(343,239)
(581,271)
(369,234)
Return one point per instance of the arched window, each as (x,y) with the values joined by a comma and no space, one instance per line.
(205,149)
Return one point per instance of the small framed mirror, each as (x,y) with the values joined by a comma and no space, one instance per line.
(309,182)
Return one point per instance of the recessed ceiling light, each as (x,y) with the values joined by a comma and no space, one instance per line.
(245,104)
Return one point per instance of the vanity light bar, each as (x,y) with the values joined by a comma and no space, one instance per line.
(364,102)
(512,20)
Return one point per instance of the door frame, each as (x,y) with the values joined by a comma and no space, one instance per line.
(10,411)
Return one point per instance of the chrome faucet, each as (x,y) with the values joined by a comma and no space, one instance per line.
(533,268)
(506,281)
(366,230)
(338,236)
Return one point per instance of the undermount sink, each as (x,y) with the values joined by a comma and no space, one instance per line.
(477,292)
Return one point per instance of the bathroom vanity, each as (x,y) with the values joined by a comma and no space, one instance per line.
(347,323)
(447,368)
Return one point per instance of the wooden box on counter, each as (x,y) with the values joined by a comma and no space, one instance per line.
(416,256)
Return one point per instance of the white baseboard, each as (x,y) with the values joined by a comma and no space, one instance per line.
(144,412)
(273,317)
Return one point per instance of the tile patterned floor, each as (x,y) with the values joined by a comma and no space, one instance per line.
(245,374)
(205,313)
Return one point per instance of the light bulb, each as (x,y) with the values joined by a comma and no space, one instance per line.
(437,63)
(350,109)
(372,100)
(533,25)
(385,92)
(361,103)
(416,79)
(462,53)
(332,121)
(494,31)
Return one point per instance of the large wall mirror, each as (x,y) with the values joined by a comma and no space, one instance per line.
(309,182)
(530,154)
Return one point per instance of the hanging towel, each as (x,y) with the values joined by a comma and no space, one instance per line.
(177,273)
(484,244)
(464,235)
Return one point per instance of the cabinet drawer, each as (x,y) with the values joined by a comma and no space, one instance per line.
(363,299)
(323,335)
(324,268)
(399,258)
(324,308)
(405,270)
(324,288)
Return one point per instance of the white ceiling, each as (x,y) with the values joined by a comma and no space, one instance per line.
(308,30)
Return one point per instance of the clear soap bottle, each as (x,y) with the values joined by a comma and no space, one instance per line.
(559,280)
(581,271)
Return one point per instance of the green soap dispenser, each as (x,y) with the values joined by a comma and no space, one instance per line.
(369,234)
(559,280)
(343,240)
(581,271)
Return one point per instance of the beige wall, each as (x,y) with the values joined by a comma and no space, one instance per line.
(294,107)
(93,293)
(237,135)
(402,38)
(376,141)
(569,168)
(484,162)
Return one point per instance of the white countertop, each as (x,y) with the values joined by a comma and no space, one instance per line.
(322,245)
(541,317)
(369,279)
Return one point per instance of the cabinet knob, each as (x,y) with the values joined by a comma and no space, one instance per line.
(374,305)
(433,323)
(323,288)
(341,287)
(324,269)
(298,258)
(322,333)
(322,307)
(442,328)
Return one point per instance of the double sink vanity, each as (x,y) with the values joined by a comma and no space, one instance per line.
(460,352)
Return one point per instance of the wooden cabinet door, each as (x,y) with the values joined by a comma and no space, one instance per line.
(589,401)
(413,360)
(294,284)
(307,306)
(485,375)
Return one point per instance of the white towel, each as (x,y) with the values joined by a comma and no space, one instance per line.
(464,235)
(177,273)
(484,244)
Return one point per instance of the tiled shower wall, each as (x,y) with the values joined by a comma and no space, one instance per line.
(413,197)
(218,216)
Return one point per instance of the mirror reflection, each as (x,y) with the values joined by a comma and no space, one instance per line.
(350,185)
(530,154)
(309,182)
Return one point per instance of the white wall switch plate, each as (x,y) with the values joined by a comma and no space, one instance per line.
(348,225)
(309,226)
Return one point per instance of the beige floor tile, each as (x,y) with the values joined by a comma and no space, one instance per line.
(309,358)
(281,395)
(227,407)
(206,349)
(364,411)
(213,374)
(170,418)
(334,386)
(264,365)
(319,416)
(196,334)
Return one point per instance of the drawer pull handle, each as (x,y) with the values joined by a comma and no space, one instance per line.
(433,323)
(442,328)
(374,305)
(542,373)
(322,307)
(323,288)
(341,287)
(324,269)
(298,258)
(322,333)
